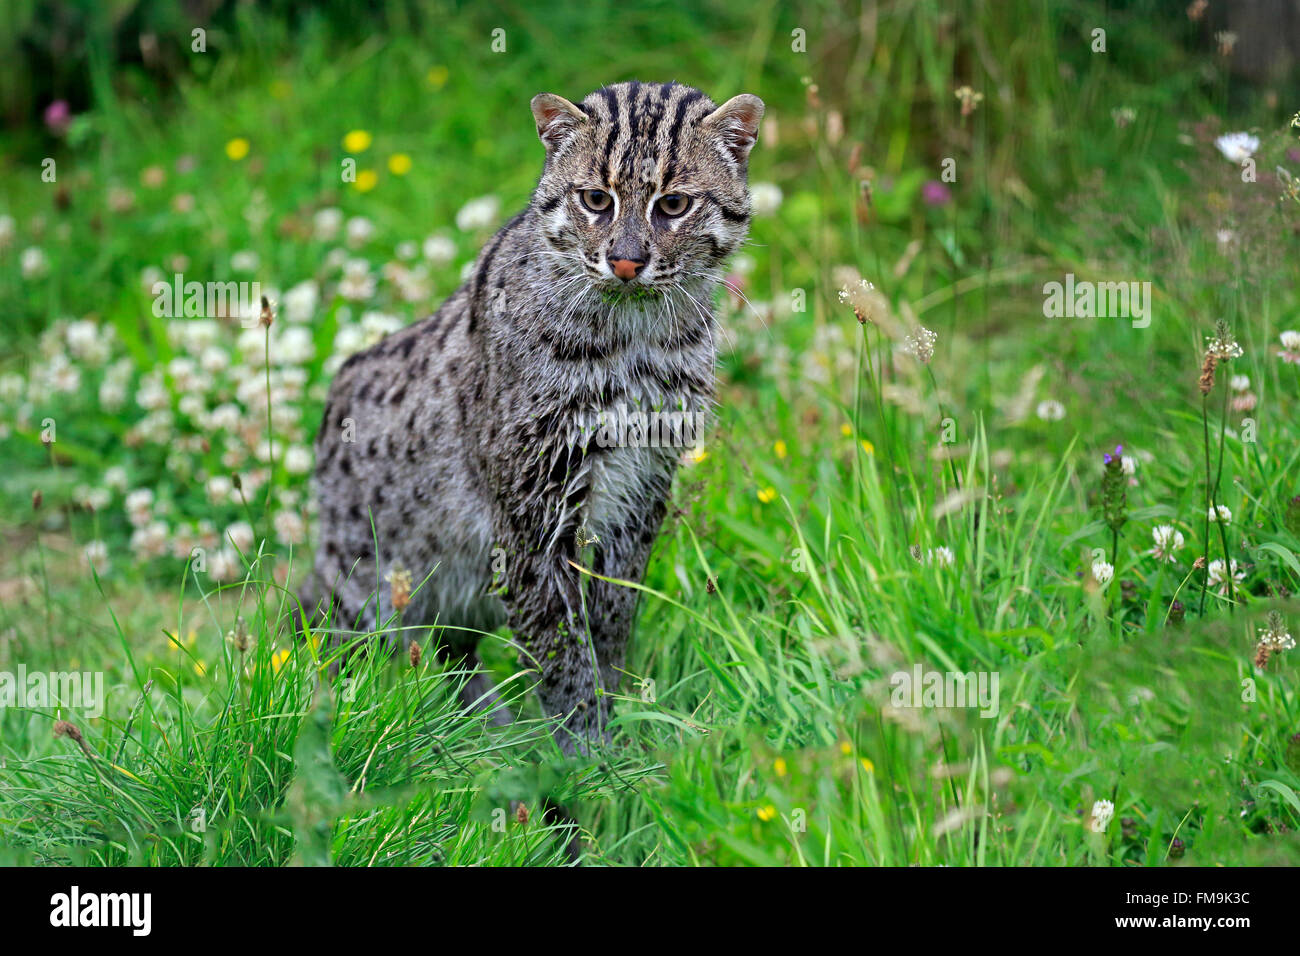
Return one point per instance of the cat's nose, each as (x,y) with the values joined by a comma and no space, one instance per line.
(626,269)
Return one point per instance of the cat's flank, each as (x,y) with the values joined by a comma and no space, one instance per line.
(480,449)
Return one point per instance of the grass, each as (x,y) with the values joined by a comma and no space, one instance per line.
(801,566)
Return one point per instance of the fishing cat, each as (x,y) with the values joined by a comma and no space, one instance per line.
(481,449)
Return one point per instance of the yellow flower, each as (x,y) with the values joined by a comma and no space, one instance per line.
(697,455)
(767,494)
(200,668)
(437,76)
(367,179)
(766,813)
(867,765)
(237,148)
(399,164)
(357,141)
(846,429)
(779,766)
(779,448)
(846,748)
(278,659)
(869,448)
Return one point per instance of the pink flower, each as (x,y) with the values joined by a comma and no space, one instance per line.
(58,117)
(935,193)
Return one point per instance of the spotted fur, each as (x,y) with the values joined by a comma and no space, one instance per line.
(474,438)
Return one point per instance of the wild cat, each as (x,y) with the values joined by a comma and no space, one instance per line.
(465,449)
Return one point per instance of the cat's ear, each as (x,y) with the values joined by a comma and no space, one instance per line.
(736,123)
(557,119)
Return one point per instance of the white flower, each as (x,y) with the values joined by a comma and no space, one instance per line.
(326,224)
(139,504)
(300,302)
(1275,635)
(1128,465)
(439,250)
(95,555)
(1237,147)
(1168,539)
(1226,237)
(1219,513)
(376,325)
(921,344)
(294,346)
(1102,572)
(478,214)
(11,387)
(1217,576)
(115,478)
(289,527)
(297,460)
(224,565)
(88,342)
(357,283)
(406,250)
(8,229)
(33,263)
(765,198)
(244,261)
(1102,812)
(150,540)
(359,231)
(941,556)
(220,490)
(1239,383)
(93,499)
(240,534)
(1290,347)
(1050,410)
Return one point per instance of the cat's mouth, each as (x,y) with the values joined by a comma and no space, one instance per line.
(628,292)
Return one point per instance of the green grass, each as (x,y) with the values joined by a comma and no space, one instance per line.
(797,571)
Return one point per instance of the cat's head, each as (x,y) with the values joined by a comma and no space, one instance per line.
(645,183)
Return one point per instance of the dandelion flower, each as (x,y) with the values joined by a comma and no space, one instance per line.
(399,164)
(357,141)
(367,179)
(237,148)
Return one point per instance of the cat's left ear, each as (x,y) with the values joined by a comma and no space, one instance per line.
(557,119)
(736,122)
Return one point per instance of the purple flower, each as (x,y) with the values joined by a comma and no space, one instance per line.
(935,193)
(1116,455)
(58,116)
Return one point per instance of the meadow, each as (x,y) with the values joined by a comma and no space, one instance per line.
(918,467)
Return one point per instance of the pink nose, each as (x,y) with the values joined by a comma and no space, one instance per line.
(626,268)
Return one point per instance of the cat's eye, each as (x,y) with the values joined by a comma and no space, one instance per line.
(597,200)
(673,205)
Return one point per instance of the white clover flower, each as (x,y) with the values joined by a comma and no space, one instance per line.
(12,386)
(152,395)
(1050,410)
(33,263)
(289,527)
(376,325)
(294,346)
(1102,812)
(150,540)
(478,214)
(1217,575)
(224,565)
(1290,347)
(1220,513)
(1237,147)
(439,250)
(241,536)
(88,342)
(765,198)
(298,460)
(220,490)
(1168,539)
(244,261)
(8,229)
(1239,383)
(1102,572)
(357,283)
(95,555)
(115,478)
(1128,465)
(300,302)
(359,231)
(941,556)
(326,224)
(406,250)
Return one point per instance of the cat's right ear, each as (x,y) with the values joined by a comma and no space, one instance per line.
(557,119)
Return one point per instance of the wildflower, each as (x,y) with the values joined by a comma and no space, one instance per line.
(1208,365)
(224,565)
(767,813)
(439,250)
(779,448)
(244,261)
(1227,40)
(95,555)
(478,214)
(921,344)
(1114,497)
(1168,539)
(1223,344)
(1123,116)
(1290,347)
(33,263)
(765,198)
(357,283)
(1237,147)
(1102,572)
(941,556)
(767,495)
(237,148)
(969,99)
(399,164)
(399,581)
(1050,410)
(357,141)
(326,223)
(935,193)
(241,535)
(58,117)
(278,659)
(779,766)
(1274,635)
(290,529)
(367,179)
(359,231)
(1243,399)
(1102,811)
(1220,513)
(1218,575)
